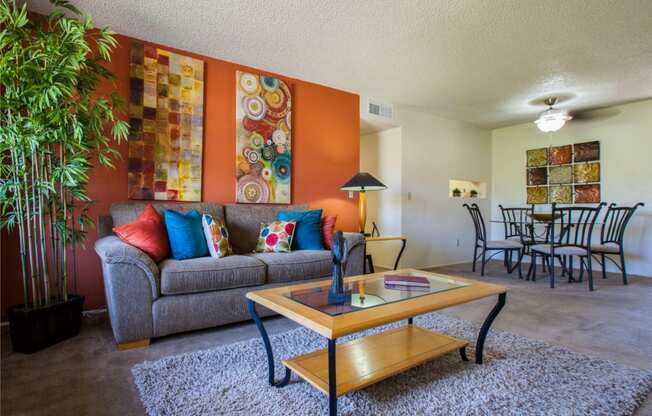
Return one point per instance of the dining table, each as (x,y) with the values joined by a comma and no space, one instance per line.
(544,220)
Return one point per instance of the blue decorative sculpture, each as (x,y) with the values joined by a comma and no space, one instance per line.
(337,293)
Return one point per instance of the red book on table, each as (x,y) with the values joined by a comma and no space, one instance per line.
(406,280)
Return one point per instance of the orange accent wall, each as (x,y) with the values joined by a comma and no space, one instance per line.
(325,146)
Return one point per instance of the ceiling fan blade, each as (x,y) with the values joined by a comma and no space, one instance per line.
(596,115)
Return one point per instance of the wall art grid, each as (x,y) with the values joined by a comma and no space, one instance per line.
(166,108)
(564,174)
(263,139)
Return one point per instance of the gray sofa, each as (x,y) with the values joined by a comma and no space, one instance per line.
(147,300)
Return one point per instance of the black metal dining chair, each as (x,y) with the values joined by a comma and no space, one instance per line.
(611,237)
(519,225)
(506,246)
(570,235)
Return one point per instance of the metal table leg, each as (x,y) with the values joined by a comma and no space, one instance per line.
(400,253)
(369,262)
(463,354)
(479,346)
(268,348)
(332,380)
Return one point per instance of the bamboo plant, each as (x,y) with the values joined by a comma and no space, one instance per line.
(54,124)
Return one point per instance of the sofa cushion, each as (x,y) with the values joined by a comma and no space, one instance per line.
(297,265)
(243,222)
(207,273)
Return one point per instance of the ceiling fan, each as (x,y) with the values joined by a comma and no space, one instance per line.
(554,119)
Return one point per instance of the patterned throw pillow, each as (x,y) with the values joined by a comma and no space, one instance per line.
(217,237)
(276,237)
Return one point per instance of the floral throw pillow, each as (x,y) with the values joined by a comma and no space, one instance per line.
(217,237)
(276,237)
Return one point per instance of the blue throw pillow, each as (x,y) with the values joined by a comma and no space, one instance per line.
(307,236)
(186,234)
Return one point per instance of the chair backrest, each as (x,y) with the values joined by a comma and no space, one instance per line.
(478,222)
(615,222)
(515,220)
(575,225)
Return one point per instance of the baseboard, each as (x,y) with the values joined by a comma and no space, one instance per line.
(88,313)
(92,312)
(445,265)
(390,268)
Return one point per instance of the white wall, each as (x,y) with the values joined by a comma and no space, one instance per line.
(625,135)
(380,155)
(436,150)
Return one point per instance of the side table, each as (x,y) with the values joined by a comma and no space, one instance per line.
(368,261)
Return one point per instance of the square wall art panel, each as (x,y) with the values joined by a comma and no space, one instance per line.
(537,157)
(561,194)
(537,176)
(263,139)
(537,195)
(166,110)
(587,194)
(561,155)
(587,172)
(561,174)
(587,152)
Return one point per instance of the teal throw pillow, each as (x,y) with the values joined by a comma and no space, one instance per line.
(186,234)
(307,236)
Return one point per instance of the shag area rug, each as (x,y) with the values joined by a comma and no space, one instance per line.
(520,376)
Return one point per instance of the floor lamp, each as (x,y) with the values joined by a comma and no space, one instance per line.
(361,183)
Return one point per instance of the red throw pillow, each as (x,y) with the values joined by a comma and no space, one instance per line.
(146,233)
(328,229)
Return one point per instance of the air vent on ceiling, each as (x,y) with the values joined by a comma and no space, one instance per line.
(379,109)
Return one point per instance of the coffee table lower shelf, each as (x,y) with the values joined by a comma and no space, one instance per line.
(367,360)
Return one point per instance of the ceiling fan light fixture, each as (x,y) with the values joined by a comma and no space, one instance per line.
(552,120)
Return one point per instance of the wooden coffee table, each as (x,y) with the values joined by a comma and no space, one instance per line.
(353,365)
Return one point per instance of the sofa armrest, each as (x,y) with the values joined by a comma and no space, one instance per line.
(112,250)
(355,246)
(131,283)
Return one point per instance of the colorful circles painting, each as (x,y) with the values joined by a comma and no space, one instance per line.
(263,139)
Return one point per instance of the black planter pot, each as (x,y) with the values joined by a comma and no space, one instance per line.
(33,329)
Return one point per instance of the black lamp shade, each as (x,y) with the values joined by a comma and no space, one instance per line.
(363,181)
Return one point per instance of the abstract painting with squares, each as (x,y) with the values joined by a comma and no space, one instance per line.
(166,113)
(564,174)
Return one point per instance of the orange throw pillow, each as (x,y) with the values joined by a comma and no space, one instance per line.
(328,229)
(146,233)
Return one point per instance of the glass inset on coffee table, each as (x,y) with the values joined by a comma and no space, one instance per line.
(369,293)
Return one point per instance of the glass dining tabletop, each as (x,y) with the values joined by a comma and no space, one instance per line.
(539,222)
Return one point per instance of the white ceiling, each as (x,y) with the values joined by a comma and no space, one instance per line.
(478,61)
